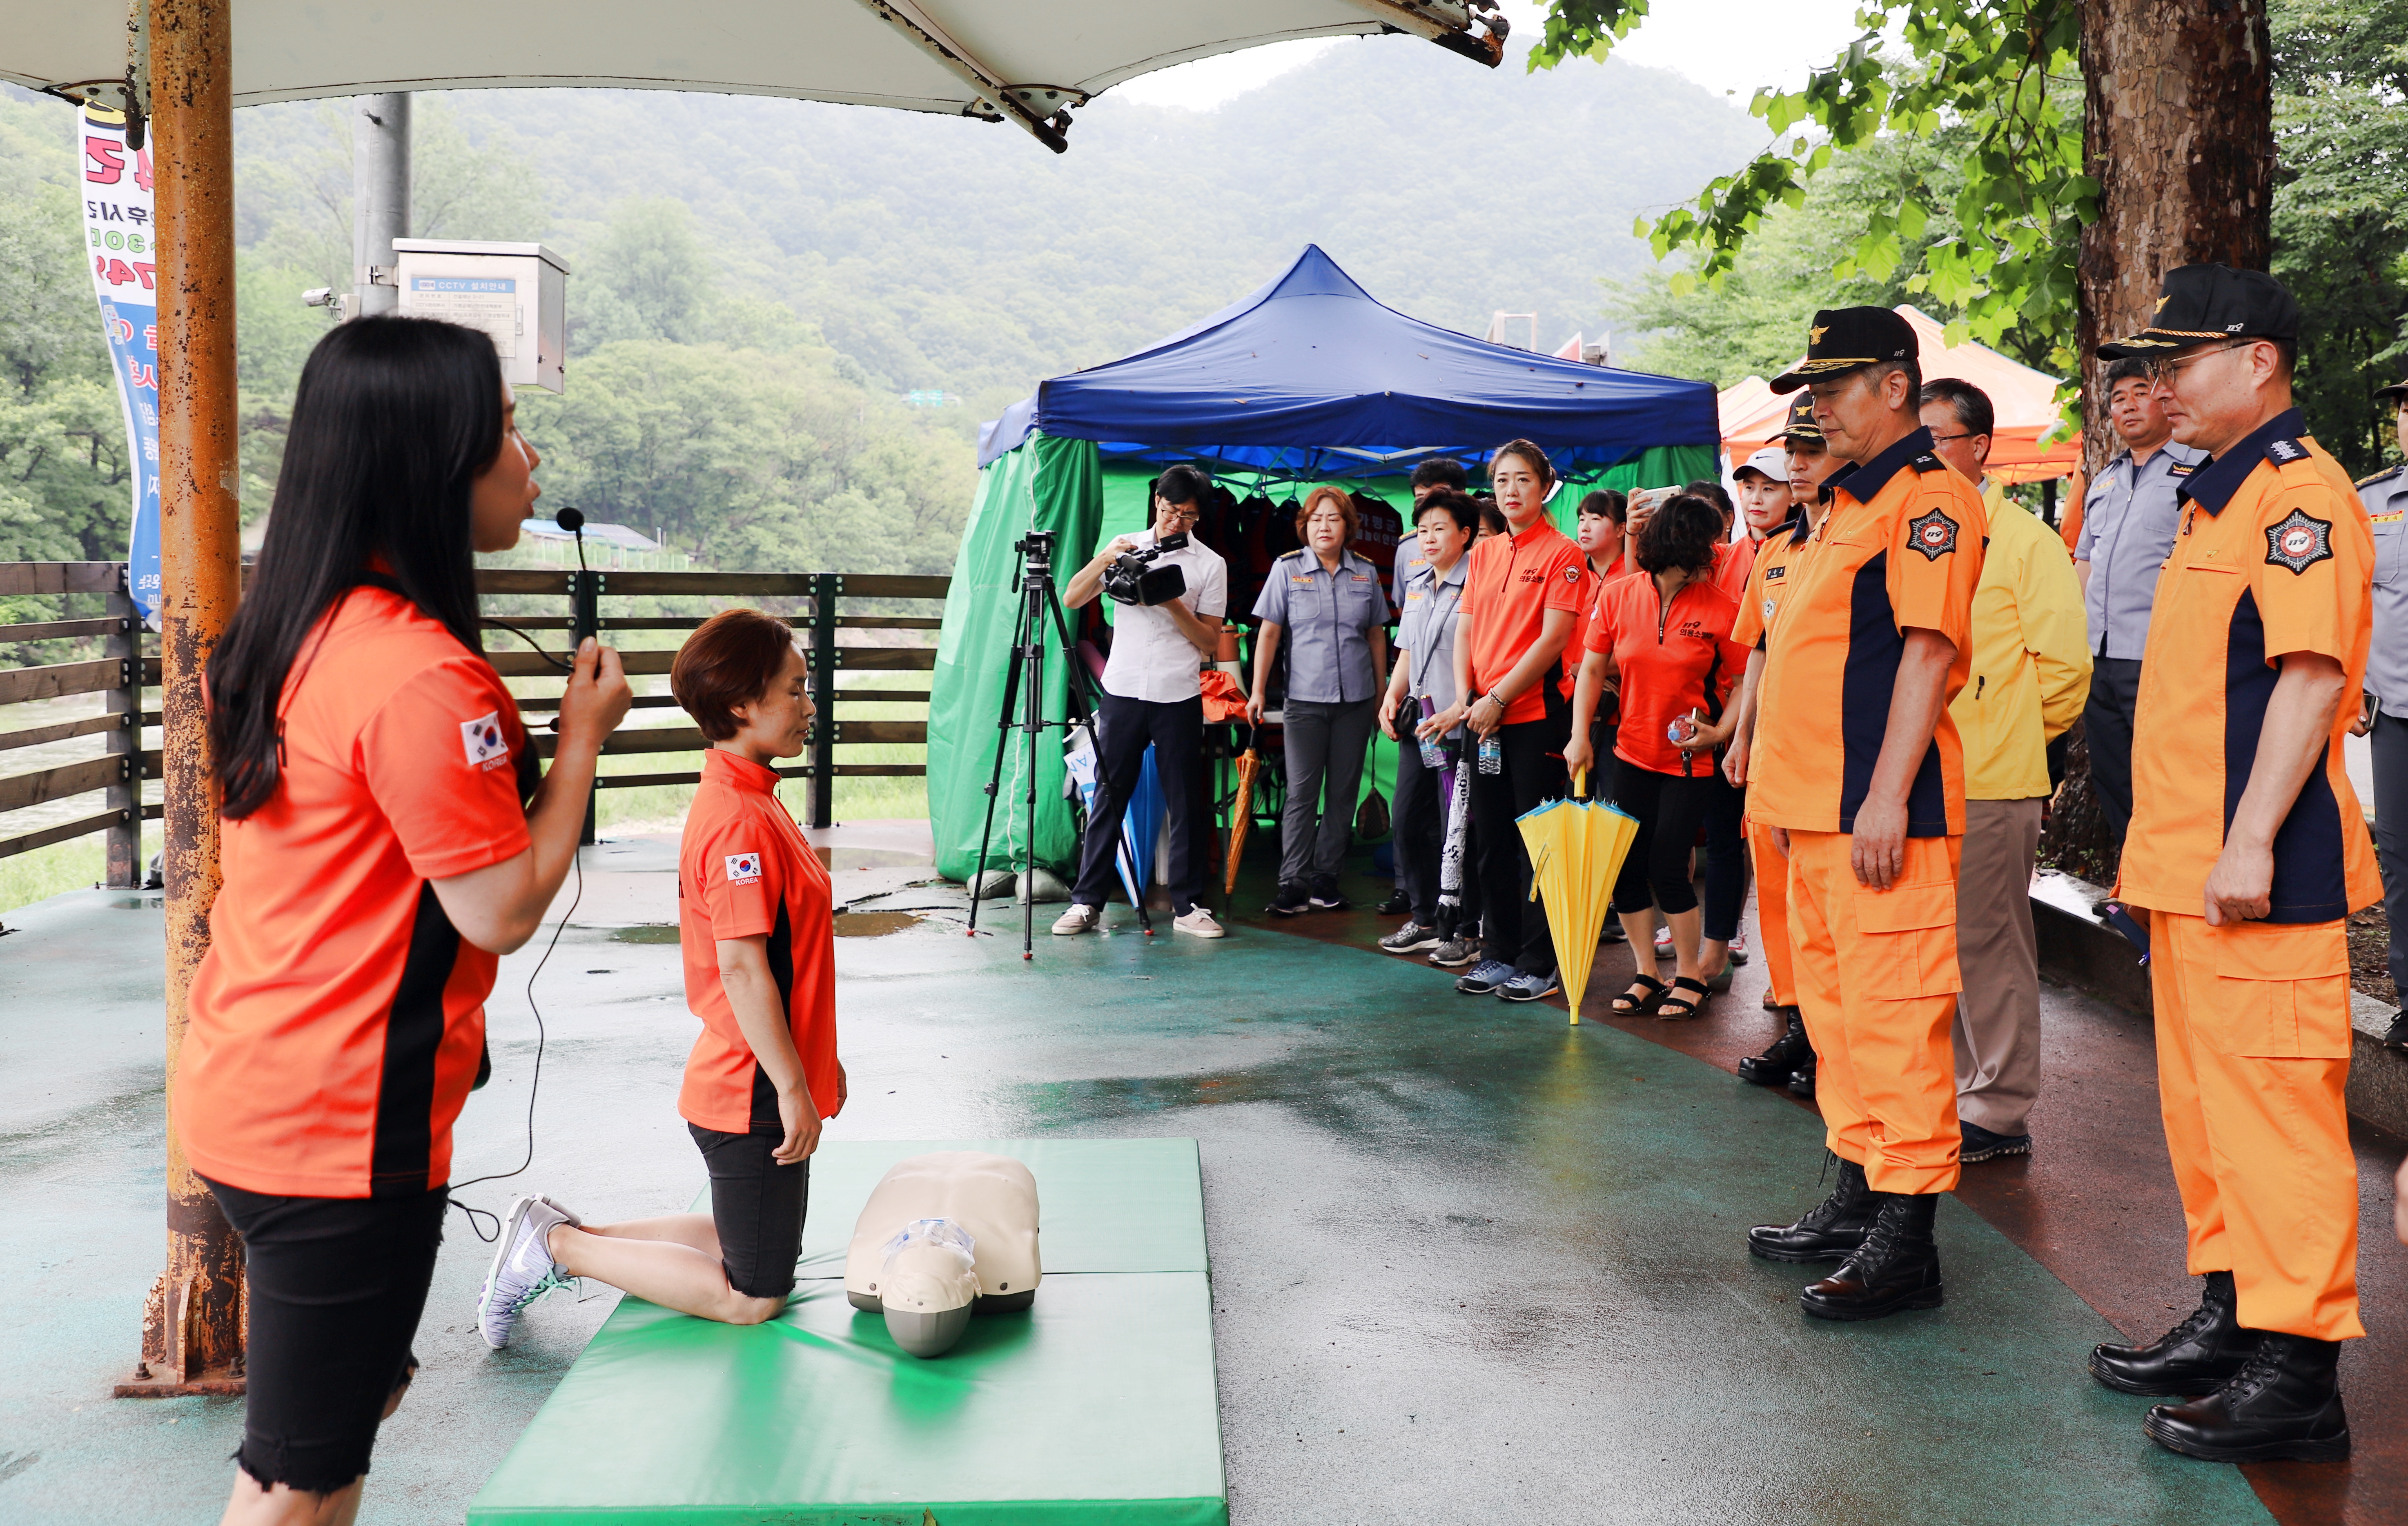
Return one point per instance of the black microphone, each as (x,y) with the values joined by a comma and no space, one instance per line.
(571,520)
(584,615)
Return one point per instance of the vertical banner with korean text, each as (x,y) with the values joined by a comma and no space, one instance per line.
(118,236)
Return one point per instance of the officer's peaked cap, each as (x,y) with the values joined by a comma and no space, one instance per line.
(2199,305)
(1845,339)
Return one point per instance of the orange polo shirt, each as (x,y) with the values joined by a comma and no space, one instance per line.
(1770,579)
(338,1018)
(2274,557)
(1513,582)
(1733,561)
(1899,548)
(744,870)
(1670,657)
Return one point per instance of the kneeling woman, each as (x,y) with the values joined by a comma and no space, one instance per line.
(1666,638)
(379,852)
(753,918)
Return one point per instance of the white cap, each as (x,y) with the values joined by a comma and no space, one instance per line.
(1771,464)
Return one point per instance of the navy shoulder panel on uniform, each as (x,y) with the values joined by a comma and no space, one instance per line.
(1928,464)
(2384,475)
(2283,450)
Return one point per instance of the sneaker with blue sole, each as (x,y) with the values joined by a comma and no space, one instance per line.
(522,1270)
(1530,987)
(1486,977)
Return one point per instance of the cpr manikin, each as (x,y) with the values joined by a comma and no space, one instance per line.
(942,1234)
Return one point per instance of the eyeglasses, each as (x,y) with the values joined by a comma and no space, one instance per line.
(1191,514)
(2161,372)
(1943,439)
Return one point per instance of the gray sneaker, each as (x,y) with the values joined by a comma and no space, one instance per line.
(1078,919)
(1530,987)
(522,1270)
(1198,923)
(1412,939)
(1454,953)
(1486,976)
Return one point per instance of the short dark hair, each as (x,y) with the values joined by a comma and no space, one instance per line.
(1968,403)
(1527,451)
(1182,485)
(731,661)
(1454,505)
(1607,502)
(2129,368)
(1711,491)
(1681,533)
(1492,519)
(1913,370)
(1443,472)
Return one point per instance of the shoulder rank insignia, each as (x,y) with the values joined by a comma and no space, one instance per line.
(2298,542)
(2283,452)
(2384,475)
(1934,535)
(1929,462)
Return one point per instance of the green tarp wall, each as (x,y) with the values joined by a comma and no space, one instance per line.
(1045,484)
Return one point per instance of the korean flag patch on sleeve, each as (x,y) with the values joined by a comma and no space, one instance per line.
(482,740)
(743,868)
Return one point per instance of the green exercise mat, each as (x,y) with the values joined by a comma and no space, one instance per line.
(1096,1406)
(1102,1205)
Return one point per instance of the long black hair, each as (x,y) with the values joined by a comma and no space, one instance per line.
(394,421)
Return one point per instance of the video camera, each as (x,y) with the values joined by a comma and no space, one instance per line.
(1132,578)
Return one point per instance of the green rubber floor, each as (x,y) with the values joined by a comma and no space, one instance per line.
(1096,1406)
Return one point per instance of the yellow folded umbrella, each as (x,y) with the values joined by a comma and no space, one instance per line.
(1241,814)
(1576,851)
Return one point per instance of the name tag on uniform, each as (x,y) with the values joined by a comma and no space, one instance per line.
(1771,573)
(2394,517)
(1362,577)
(1305,579)
(1416,595)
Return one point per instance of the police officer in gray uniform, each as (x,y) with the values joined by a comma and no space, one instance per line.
(2386,713)
(2129,520)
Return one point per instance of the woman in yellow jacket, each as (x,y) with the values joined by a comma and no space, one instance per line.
(2031,675)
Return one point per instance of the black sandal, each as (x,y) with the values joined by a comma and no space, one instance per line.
(1674,1006)
(1626,1005)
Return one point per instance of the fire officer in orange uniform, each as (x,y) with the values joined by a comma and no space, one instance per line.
(1790,1060)
(2248,851)
(1867,798)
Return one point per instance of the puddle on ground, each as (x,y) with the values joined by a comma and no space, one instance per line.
(651,932)
(873,924)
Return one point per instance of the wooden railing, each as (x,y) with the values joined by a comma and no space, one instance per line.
(121,673)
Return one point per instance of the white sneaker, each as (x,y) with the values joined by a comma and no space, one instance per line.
(522,1270)
(1663,942)
(1078,919)
(1198,923)
(1739,948)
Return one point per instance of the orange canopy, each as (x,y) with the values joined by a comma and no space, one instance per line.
(2025,401)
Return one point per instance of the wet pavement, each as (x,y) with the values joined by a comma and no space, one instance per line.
(1469,1263)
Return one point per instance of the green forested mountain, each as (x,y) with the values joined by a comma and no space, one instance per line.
(757,284)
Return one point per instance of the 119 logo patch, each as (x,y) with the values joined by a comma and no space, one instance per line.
(2298,542)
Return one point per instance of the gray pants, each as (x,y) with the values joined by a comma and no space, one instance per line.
(2391,739)
(1325,744)
(1997,959)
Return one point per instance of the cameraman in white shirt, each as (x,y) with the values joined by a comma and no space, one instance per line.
(1151,694)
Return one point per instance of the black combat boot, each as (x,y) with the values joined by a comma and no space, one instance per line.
(1831,1229)
(1775,1065)
(1898,1268)
(2284,1402)
(1802,1080)
(2197,1356)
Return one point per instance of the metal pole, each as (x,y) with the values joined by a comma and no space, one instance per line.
(827,585)
(192,1336)
(379,198)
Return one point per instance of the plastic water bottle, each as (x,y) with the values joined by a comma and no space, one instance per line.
(1433,758)
(1492,754)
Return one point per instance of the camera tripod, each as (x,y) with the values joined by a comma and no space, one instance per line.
(1023,690)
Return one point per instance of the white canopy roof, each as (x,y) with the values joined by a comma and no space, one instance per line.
(1022,59)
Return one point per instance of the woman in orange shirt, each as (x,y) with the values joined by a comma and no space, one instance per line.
(384,841)
(1666,638)
(755,921)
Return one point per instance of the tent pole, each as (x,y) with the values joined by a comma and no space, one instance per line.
(192,1337)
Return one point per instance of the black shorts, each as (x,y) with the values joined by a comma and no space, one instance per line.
(757,1206)
(336,1287)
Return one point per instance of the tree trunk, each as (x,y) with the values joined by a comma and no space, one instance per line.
(2178,130)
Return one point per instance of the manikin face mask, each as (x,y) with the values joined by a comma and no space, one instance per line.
(928,1279)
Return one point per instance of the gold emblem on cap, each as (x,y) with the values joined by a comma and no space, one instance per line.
(2161,304)
(1814,336)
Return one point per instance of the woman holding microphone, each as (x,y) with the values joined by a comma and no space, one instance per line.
(1666,638)
(385,840)
(1328,603)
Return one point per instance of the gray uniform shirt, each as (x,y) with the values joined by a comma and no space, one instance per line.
(1327,618)
(2128,520)
(1433,607)
(2386,497)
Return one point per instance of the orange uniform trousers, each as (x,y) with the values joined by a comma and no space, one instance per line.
(1772,911)
(1876,973)
(2252,1057)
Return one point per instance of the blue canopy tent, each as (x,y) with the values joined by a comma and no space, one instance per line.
(1307,379)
